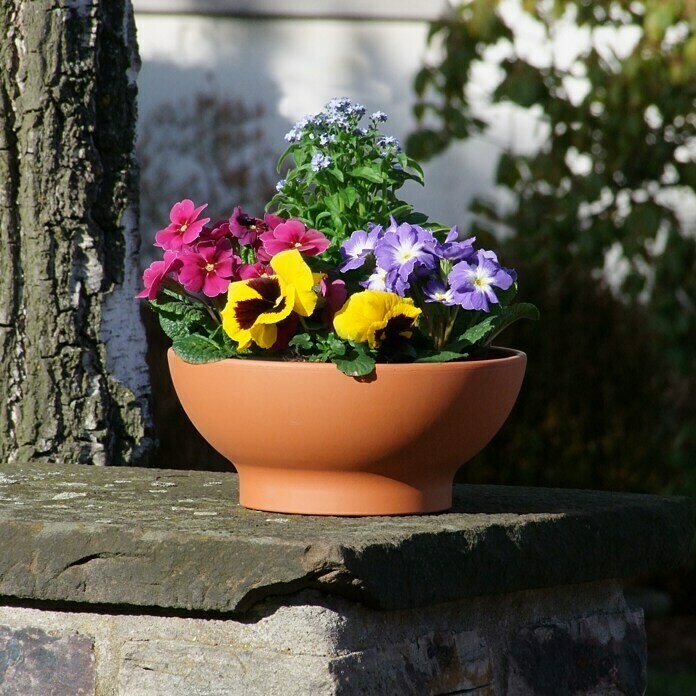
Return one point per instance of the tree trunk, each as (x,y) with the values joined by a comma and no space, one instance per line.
(73,377)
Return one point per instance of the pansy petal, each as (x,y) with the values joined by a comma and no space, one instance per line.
(264,335)
(293,271)
(282,310)
(367,314)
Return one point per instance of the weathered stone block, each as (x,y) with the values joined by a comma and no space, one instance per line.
(173,668)
(600,655)
(180,540)
(35,663)
(439,662)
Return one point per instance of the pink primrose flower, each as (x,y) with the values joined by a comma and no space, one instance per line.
(184,226)
(292,234)
(273,220)
(157,272)
(215,232)
(210,268)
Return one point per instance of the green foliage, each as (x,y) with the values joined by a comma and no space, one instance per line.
(318,347)
(360,361)
(612,174)
(197,336)
(196,348)
(180,316)
(343,175)
(481,333)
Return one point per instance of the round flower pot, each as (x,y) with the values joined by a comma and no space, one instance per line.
(307,439)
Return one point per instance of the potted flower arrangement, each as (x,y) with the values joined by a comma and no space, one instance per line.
(337,349)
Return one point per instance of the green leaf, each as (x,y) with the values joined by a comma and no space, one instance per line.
(367,173)
(475,334)
(300,157)
(359,362)
(401,211)
(281,159)
(507,296)
(349,195)
(336,173)
(417,218)
(177,316)
(334,345)
(301,341)
(425,143)
(442,356)
(523,84)
(507,173)
(333,204)
(423,78)
(174,328)
(200,349)
(483,333)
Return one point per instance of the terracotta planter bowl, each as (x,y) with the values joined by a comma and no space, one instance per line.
(307,439)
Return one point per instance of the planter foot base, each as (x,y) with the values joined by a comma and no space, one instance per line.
(340,493)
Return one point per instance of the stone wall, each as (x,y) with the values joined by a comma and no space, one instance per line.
(153,582)
(545,642)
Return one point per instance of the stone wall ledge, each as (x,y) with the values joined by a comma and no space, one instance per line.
(179,541)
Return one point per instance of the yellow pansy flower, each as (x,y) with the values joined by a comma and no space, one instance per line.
(255,307)
(374,316)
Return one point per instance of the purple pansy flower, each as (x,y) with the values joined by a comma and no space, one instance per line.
(358,248)
(398,283)
(454,250)
(473,282)
(403,250)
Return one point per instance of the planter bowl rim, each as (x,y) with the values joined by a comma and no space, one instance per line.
(502,357)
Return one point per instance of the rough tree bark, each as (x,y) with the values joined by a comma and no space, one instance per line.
(73,377)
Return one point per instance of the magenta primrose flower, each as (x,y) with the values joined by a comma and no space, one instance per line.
(209,268)
(184,227)
(292,234)
(215,232)
(157,272)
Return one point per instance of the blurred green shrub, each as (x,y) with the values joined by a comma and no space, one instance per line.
(610,399)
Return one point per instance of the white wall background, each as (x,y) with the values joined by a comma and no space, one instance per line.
(294,65)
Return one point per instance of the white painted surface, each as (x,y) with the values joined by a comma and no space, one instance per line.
(294,66)
(356,9)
